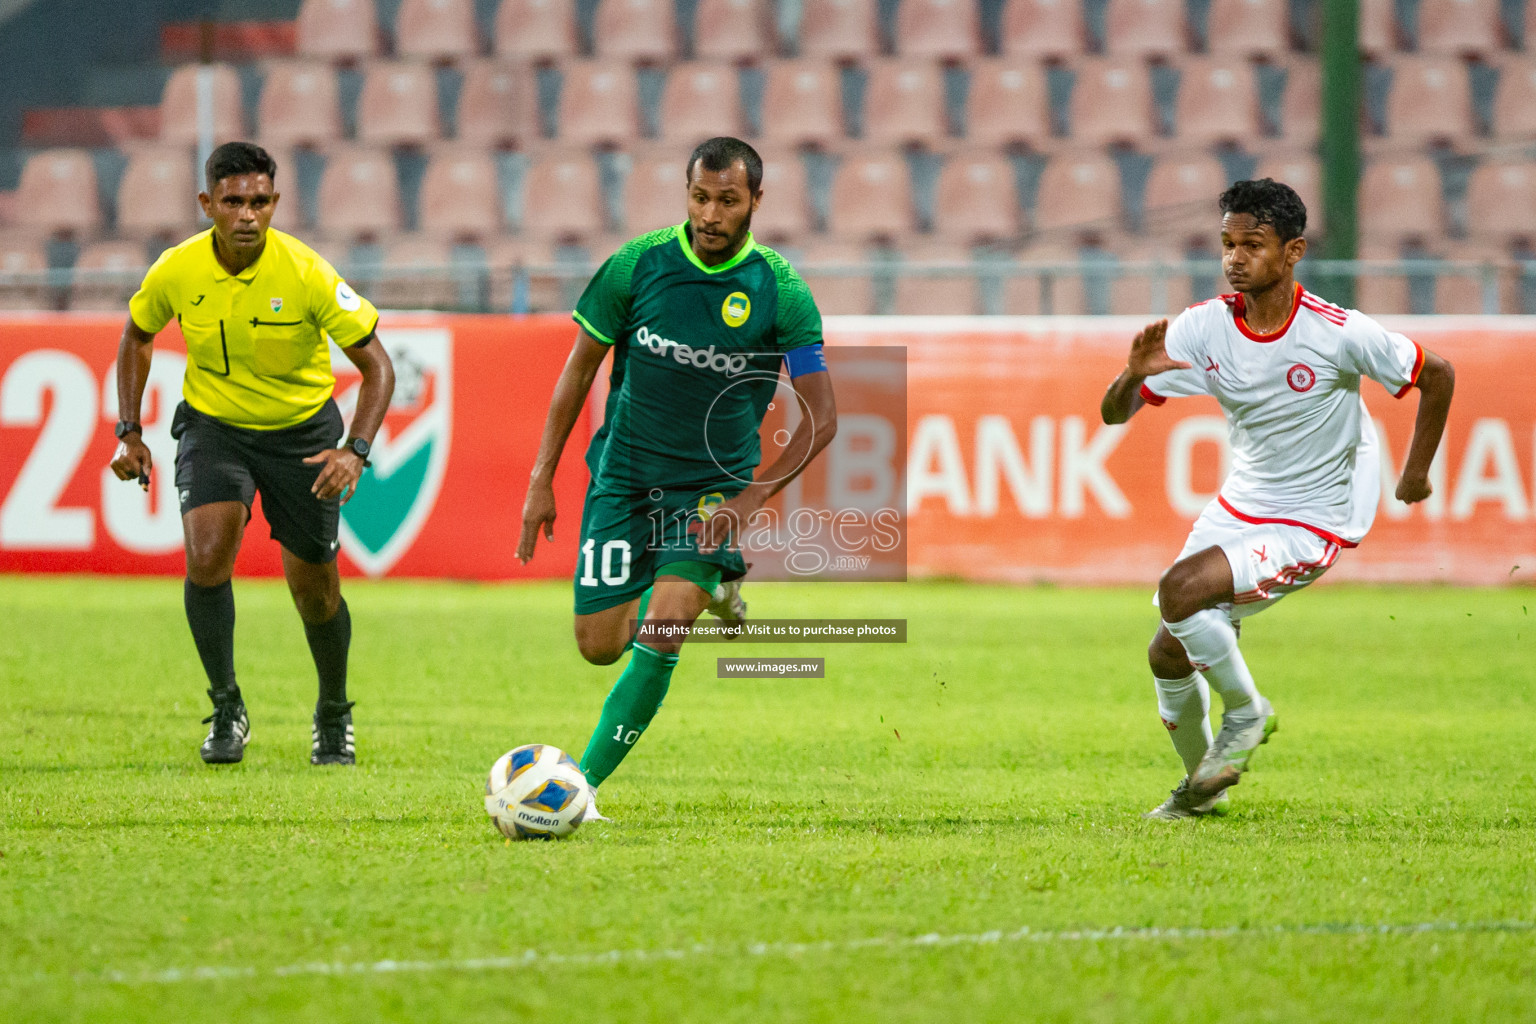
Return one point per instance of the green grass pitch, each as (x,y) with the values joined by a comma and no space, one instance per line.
(868,847)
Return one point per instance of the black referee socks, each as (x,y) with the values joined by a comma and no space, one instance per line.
(328,642)
(211,614)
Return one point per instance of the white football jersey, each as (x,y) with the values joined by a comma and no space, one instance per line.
(1303,448)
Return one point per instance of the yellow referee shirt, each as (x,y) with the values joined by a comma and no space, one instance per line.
(256,341)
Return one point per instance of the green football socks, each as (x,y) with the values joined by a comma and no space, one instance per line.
(631,704)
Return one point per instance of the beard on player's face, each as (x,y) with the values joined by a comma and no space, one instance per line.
(719,209)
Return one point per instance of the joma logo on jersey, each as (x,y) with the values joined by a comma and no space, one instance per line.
(687,355)
(735,309)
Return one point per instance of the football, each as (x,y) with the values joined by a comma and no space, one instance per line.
(535,791)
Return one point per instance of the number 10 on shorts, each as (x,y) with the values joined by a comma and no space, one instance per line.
(613,551)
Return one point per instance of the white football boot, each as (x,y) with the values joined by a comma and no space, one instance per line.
(592,813)
(727,606)
(1243,731)
(1181,803)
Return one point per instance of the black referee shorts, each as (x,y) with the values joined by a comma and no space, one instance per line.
(219,462)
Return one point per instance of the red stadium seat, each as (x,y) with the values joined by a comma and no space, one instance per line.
(837,294)
(1401,199)
(700,100)
(1182,190)
(840,29)
(1248,28)
(1008,105)
(1145,28)
(1431,101)
(178,105)
(1043,29)
(637,30)
(498,105)
(1301,108)
(289,214)
(437,29)
(337,29)
(106,275)
(1304,173)
(802,104)
(460,198)
(732,29)
(536,30)
(1514,106)
(1378,27)
(1501,201)
(1078,191)
(945,285)
(157,196)
(598,104)
(938,29)
(57,193)
(1111,102)
(24,256)
(300,104)
(417,275)
(1218,102)
(977,199)
(562,197)
(1462,294)
(871,198)
(904,103)
(1460,27)
(785,212)
(1381,294)
(398,105)
(655,193)
(359,195)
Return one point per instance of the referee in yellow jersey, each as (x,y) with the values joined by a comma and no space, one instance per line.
(256,307)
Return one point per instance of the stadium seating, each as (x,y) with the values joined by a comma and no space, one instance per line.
(655,194)
(57,194)
(871,198)
(977,199)
(1382,294)
(1431,101)
(635,30)
(416,274)
(1301,105)
(178,105)
(802,104)
(941,291)
(1459,27)
(1111,102)
(701,100)
(300,104)
(1145,28)
(437,29)
(1182,191)
(289,215)
(1400,199)
(22,256)
(498,105)
(1217,103)
(156,197)
(460,198)
(562,198)
(904,104)
(1078,190)
(785,212)
(398,105)
(1304,173)
(107,274)
(1248,28)
(1007,105)
(1043,29)
(359,195)
(1501,201)
(837,294)
(598,104)
(938,29)
(536,30)
(341,30)
(1514,105)
(1377,27)
(839,29)
(732,29)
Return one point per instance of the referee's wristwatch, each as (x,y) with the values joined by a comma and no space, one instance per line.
(126,427)
(359,447)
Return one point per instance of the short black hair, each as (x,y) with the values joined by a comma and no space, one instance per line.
(1269,202)
(719,153)
(238,158)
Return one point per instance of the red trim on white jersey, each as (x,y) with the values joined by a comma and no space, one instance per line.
(1335,538)
(1327,310)
(1413,378)
(1239,304)
(1151,397)
(1288,576)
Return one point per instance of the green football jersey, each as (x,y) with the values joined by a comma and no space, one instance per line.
(697,352)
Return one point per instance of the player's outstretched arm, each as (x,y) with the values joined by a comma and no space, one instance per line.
(1148,358)
(131,460)
(814,432)
(1436,384)
(564,408)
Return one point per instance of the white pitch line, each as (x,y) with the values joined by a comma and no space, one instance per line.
(931,940)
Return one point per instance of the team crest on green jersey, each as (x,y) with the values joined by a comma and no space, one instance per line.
(735,309)
(396,495)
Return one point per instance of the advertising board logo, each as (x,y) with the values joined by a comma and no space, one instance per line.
(396,495)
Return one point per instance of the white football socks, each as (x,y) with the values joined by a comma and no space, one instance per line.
(1211,644)
(1185,705)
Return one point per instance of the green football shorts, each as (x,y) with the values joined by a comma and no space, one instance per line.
(628,540)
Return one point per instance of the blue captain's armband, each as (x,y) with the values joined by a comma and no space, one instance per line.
(805,359)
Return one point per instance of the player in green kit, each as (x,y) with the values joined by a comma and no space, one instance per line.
(699,318)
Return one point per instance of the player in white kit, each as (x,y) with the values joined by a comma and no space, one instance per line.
(1286,367)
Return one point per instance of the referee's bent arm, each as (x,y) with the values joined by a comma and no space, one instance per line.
(134,351)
